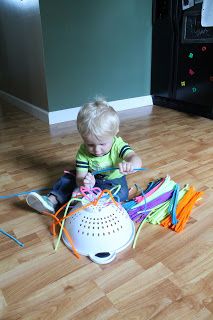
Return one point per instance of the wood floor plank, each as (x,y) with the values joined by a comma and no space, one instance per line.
(101,309)
(116,276)
(148,278)
(167,276)
(150,301)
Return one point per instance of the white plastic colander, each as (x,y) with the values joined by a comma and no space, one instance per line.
(101,230)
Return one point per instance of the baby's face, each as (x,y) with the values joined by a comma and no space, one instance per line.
(98,147)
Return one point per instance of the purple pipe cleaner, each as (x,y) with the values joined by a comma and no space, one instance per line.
(142,216)
(145,209)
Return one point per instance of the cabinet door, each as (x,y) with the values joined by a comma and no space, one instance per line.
(162,48)
(195,74)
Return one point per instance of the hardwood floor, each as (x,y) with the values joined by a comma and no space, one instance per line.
(167,276)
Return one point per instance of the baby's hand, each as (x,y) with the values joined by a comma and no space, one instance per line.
(89,181)
(76,193)
(126,168)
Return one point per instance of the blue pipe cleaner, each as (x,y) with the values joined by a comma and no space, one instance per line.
(173,204)
(22,193)
(115,168)
(11,237)
(128,205)
(152,185)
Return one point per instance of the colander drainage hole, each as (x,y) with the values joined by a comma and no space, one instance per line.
(102,254)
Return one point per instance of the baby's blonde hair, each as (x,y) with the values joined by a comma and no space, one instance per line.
(98,119)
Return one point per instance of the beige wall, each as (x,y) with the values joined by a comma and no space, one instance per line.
(21,52)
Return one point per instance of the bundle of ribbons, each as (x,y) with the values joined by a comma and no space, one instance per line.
(163,202)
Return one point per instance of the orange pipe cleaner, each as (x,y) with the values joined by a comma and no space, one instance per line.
(57,221)
(183,210)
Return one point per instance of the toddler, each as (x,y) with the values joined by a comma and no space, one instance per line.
(98,125)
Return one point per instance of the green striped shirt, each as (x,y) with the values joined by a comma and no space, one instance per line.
(87,162)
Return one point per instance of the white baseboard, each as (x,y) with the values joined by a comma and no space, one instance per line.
(118,105)
(64,115)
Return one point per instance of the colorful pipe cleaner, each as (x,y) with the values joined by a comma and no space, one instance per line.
(163,202)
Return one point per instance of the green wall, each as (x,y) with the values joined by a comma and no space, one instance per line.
(96,47)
